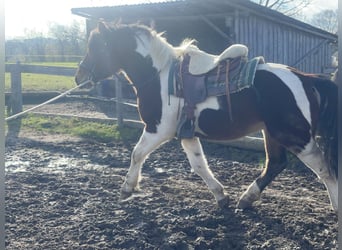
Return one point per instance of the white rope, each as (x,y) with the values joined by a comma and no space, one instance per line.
(125,103)
(47,102)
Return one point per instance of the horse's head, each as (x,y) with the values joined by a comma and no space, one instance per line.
(105,54)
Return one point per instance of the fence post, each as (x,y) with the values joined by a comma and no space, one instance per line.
(118,91)
(16,100)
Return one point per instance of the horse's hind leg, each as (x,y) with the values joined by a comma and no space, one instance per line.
(314,159)
(275,162)
(199,164)
(147,143)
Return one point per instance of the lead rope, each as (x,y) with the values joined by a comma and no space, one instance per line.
(229,105)
(47,102)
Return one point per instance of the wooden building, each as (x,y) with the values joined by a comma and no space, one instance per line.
(216,24)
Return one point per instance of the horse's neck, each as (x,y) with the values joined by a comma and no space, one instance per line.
(157,49)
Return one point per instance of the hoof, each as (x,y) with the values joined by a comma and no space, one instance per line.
(125,195)
(243,204)
(223,203)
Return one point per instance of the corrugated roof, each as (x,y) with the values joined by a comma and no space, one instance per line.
(191,8)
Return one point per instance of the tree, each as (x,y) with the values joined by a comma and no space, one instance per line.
(65,43)
(287,7)
(326,20)
(71,38)
(59,32)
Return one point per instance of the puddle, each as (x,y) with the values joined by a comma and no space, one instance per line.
(16,165)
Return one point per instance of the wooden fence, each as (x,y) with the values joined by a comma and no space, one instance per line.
(16,98)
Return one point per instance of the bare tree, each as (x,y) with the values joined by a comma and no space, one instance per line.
(71,38)
(326,20)
(287,7)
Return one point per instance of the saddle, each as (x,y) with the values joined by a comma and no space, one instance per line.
(201,62)
(200,75)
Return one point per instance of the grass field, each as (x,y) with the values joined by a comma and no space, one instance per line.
(38,82)
(78,127)
(58,125)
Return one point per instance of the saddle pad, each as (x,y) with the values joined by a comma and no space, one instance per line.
(247,73)
(241,75)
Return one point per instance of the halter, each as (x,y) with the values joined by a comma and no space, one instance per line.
(89,68)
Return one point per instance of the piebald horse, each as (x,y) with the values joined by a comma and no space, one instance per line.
(295,111)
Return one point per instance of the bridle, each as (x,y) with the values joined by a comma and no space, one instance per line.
(89,68)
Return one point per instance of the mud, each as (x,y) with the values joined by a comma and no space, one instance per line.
(63,193)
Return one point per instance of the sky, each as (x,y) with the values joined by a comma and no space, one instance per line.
(22,16)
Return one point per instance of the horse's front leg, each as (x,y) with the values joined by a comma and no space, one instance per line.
(147,143)
(198,162)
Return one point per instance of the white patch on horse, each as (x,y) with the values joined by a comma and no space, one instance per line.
(170,109)
(210,103)
(199,164)
(157,48)
(147,143)
(293,83)
(143,45)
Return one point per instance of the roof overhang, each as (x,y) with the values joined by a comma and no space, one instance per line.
(193,9)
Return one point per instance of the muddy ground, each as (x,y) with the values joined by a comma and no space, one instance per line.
(63,193)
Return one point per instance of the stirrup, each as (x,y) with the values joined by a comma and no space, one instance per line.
(185,129)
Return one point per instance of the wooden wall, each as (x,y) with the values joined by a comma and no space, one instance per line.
(280,43)
(276,39)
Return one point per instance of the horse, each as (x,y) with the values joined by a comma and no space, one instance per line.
(296,112)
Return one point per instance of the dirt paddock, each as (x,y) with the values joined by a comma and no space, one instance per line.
(63,193)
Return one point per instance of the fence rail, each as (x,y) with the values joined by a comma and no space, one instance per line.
(15,101)
(37,69)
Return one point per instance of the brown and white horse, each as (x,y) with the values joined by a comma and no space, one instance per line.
(296,111)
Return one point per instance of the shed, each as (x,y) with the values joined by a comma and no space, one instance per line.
(216,24)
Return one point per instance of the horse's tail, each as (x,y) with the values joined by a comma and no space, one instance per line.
(326,132)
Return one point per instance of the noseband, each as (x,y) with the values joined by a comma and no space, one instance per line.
(89,68)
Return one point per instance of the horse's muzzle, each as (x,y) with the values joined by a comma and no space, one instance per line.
(82,76)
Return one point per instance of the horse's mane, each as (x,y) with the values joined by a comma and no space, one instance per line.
(164,48)
(161,50)
(187,45)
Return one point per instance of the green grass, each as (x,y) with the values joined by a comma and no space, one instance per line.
(40,82)
(72,126)
(77,127)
